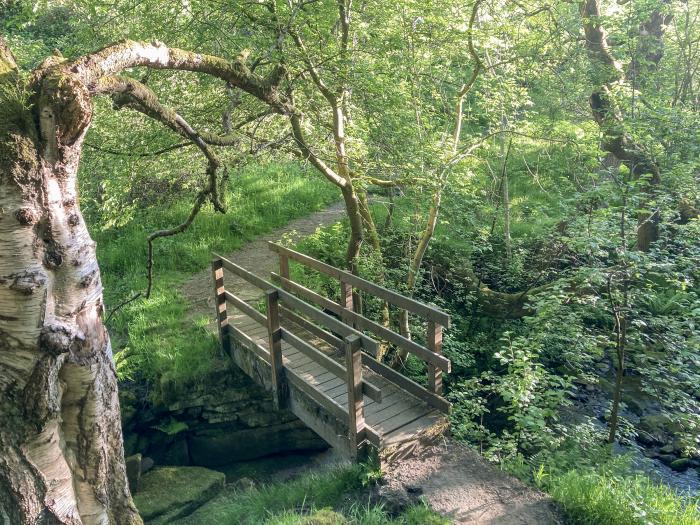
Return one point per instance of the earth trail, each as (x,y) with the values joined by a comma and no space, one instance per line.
(452,479)
(256,257)
(459,484)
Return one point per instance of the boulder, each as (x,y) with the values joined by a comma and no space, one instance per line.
(146,465)
(133,472)
(647,439)
(221,419)
(666,459)
(657,426)
(170,493)
(681,465)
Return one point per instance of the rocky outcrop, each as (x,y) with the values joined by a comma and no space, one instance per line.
(221,419)
(169,493)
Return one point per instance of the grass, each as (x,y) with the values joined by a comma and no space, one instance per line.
(158,341)
(329,498)
(592,498)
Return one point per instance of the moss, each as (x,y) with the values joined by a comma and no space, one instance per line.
(324,517)
(176,491)
(681,464)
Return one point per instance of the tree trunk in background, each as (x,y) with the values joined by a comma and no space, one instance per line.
(62,458)
(506,195)
(609,117)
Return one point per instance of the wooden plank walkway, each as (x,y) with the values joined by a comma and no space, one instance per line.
(315,375)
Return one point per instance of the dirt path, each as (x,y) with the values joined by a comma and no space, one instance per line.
(256,257)
(461,485)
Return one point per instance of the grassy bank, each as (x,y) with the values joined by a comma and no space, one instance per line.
(594,498)
(334,497)
(157,340)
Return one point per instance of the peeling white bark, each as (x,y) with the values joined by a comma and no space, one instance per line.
(60,433)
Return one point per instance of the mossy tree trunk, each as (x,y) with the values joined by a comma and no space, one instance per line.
(607,75)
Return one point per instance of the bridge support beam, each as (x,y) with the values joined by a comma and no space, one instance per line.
(356,418)
(274,333)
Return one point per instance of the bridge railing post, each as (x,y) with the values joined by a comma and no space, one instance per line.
(434,340)
(356,417)
(274,334)
(217,270)
(346,301)
(284,265)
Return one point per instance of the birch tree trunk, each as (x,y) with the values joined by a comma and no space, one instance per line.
(62,459)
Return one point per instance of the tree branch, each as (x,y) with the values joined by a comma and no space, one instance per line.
(126,54)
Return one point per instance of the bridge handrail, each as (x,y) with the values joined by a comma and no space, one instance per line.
(354,341)
(427,312)
(436,318)
(295,303)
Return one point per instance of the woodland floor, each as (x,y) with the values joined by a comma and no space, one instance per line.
(452,479)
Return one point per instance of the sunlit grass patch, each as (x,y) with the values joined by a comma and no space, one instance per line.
(590,498)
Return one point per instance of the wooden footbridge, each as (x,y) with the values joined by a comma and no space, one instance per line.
(322,367)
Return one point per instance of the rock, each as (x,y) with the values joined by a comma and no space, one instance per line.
(324,517)
(133,472)
(175,453)
(245,484)
(414,490)
(221,419)
(146,465)
(647,439)
(650,453)
(667,449)
(169,493)
(666,459)
(681,465)
(657,426)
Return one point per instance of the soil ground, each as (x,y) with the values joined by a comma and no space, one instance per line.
(459,484)
(256,257)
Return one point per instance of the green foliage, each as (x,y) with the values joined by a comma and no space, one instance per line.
(517,380)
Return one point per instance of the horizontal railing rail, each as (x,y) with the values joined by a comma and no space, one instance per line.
(363,323)
(435,318)
(427,312)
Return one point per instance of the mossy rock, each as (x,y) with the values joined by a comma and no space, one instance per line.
(324,517)
(169,493)
(660,426)
(681,465)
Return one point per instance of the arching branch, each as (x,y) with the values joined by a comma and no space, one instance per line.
(114,59)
